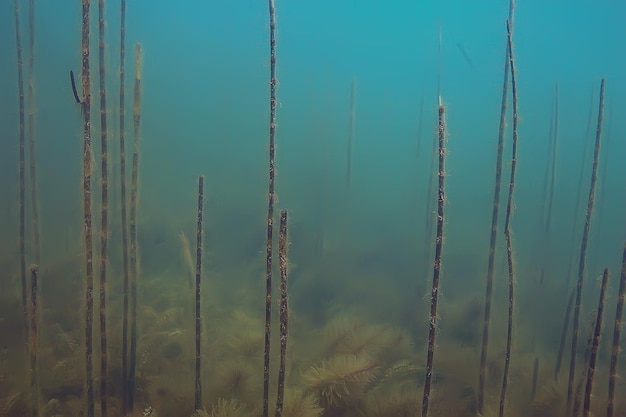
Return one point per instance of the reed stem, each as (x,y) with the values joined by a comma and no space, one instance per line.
(351,132)
(566,319)
(432,327)
(284,311)
(104,202)
(133,232)
(31,132)
(507,226)
(33,342)
(533,390)
(86,103)
(270,211)
(554,147)
(580,182)
(123,202)
(198,386)
(593,357)
(22,169)
(493,231)
(583,247)
(617,327)
(579,386)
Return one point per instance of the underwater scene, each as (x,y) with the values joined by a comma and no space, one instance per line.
(312,209)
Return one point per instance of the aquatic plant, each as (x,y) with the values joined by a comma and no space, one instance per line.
(233,379)
(22,169)
(619,311)
(270,208)
(134,268)
(87,211)
(198,304)
(583,247)
(104,210)
(123,207)
(494,224)
(228,408)
(300,404)
(507,226)
(341,380)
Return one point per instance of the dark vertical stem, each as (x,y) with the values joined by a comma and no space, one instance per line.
(554,138)
(198,386)
(493,235)
(351,132)
(86,103)
(104,202)
(579,386)
(582,162)
(507,227)
(22,168)
(583,246)
(568,313)
(580,181)
(270,211)
(432,327)
(593,357)
(123,207)
(617,326)
(429,210)
(31,131)
(605,167)
(533,390)
(284,311)
(546,176)
(133,231)
(34,320)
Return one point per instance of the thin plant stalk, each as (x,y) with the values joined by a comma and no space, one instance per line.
(31,131)
(546,175)
(104,204)
(578,396)
(583,247)
(507,227)
(351,132)
(587,139)
(123,201)
(432,327)
(617,326)
(270,210)
(533,390)
(595,343)
(33,341)
(433,159)
(566,319)
(198,318)
(284,311)
(22,168)
(554,147)
(132,363)
(86,111)
(493,231)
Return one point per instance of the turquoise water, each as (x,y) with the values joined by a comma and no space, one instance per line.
(360,255)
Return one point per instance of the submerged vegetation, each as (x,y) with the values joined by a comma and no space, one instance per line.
(349,334)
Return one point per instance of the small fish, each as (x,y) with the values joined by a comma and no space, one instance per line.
(74,87)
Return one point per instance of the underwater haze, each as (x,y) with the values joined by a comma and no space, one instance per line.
(360,88)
